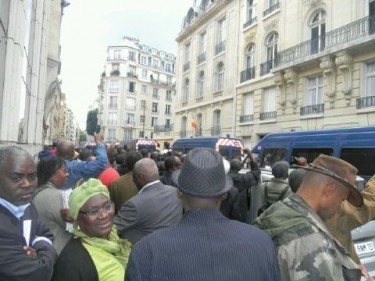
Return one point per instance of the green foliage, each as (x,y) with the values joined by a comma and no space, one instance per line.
(82,136)
(91,121)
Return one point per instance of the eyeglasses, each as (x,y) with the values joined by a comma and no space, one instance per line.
(107,208)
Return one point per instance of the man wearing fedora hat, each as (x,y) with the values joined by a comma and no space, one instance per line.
(306,249)
(205,245)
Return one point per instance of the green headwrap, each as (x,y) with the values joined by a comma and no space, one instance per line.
(84,192)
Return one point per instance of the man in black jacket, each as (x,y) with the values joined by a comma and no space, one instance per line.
(244,181)
(26,251)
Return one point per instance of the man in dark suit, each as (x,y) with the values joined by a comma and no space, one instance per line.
(205,245)
(26,251)
(156,206)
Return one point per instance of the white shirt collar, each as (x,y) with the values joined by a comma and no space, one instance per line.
(147,185)
(17,211)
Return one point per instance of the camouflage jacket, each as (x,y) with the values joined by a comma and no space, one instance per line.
(306,250)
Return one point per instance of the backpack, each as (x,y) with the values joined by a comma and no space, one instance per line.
(267,204)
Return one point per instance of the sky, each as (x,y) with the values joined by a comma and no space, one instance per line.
(89,26)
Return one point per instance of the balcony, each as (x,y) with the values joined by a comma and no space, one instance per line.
(198,132)
(365,102)
(220,47)
(246,118)
(312,109)
(155,96)
(331,40)
(132,74)
(201,58)
(271,9)
(271,115)
(267,66)
(248,74)
(163,128)
(182,133)
(250,22)
(186,66)
(115,72)
(216,130)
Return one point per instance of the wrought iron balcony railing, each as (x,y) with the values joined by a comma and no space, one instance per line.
(247,74)
(347,33)
(201,57)
(163,128)
(246,118)
(365,102)
(312,109)
(271,9)
(267,66)
(250,22)
(216,130)
(268,115)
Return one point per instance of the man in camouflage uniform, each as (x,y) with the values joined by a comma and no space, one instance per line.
(306,249)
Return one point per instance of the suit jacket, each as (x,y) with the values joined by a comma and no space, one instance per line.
(205,246)
(156,206)
(122,189)
(15,265)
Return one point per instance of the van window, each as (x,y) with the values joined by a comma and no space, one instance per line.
(310,153)
(361,158)
(272,155)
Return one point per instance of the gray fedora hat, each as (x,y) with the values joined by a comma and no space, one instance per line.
(202,174)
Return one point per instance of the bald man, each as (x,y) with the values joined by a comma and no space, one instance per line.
(156,206)
(83,169)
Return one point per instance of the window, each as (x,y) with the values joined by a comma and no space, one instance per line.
(220,37)
(251,15)
(142,119)
(198,131)
(128,134)
(200,85)
(115,66)
(250,56)
(131,87)
(168,95)
(271,46)
(269,102)
(183,127)
(132,70)
(112,102)
(144,73)
(144,89)
(129,118)
(132,56)
(113,86)
(111,134)
(216,129)
(219,75)
(314,93)
(318,31)
(154,121)
(155,93)
(167,123)
(141,134)
(247,105)
(112,118)
(143,103)
(130,103)
(169,80)
(185,91)
(117,54)
(202,47)
(144,60)
(187,53)
(155,107)
(168,67)
(168,109)
(155,63)
(370,80)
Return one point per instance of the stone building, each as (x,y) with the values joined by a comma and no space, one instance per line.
(296,65)
(136,92)
(29,66)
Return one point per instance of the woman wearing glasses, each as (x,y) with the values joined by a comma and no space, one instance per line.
(96,252)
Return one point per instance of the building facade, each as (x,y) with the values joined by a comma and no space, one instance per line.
(207,70)
(29,66)
(306,65)
(300,65)
(136,92)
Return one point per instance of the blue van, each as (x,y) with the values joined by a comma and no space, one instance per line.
(355,145)
(228,147)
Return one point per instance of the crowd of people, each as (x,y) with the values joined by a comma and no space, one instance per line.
(111,213)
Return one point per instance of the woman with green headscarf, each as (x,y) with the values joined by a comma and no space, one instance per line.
(96,252)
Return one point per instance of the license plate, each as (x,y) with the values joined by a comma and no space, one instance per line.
(364,248)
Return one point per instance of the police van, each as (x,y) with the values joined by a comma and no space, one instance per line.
(355,145)
(228,147)
(140,144)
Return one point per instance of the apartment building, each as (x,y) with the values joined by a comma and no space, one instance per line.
(136,92)
(305,65)
(285,65)
(207,70)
